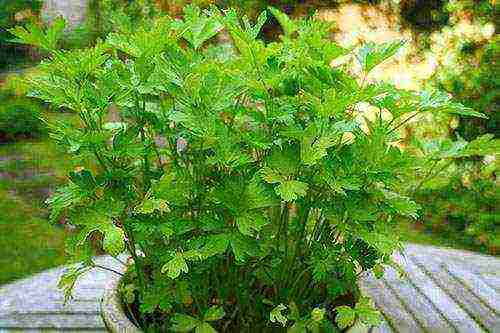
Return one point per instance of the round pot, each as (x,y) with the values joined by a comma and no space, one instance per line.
(116,320)
(112,311)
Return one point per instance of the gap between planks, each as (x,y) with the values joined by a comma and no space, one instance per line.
(467,300)
(446,306)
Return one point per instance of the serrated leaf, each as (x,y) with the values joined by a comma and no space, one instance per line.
(138,43)
(68,280)
(250,223)
(115,126)
(311,153)
(258,196)
(33,35)
(371,54)
(204,328)
(183,323)
(439,101)
(384,243)
(175,266)
(254,31)
(124,44)
(276,315)
(151,205)
(318,314)
(367,313)
(243,246)
(63,198)
(114,240)
(271,176)
(401,204)
(197,27)
(315,142)
(215,244)
(290,190)
(99,219)
(345,316)
(214,313)
(284,160)
(289,26)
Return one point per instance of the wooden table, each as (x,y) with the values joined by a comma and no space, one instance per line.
(442,290)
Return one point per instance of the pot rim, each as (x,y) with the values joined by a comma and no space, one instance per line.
(116,321)
(112,310)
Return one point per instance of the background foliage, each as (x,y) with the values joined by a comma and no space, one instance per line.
(13,13)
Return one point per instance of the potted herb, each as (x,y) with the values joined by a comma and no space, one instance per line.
(248,188)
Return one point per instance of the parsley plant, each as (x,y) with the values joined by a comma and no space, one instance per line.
(242,178)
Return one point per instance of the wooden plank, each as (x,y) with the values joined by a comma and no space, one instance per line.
(52,321)
(492,280)
(14,299)
(454,314)
(477,286)
(389,305)
(456,290)
(43,288)
(40,293)
(36,303)
(480,263)
(422,309)
(20,306)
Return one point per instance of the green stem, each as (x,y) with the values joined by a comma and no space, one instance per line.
(317,226)
(305,287)
(130,243)
(285,229)
(297,280)
(146,170)
(404,122)
(106,269)
(285,221)
(279,214)
(261,80)
(100,160)
(303,220)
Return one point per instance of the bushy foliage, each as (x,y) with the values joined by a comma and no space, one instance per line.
(26,13)
(459,190)
(11,14)
(19,118)
(466,210)
(467,53)
(246,186)
(87,32)
(126,15)
(461,205)
(425,16)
